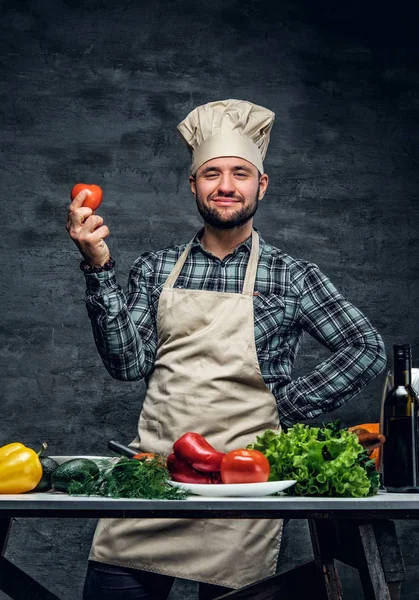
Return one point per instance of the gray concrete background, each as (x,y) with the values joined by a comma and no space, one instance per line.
(92,91)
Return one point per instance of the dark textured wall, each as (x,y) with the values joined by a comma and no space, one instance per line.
(93,91)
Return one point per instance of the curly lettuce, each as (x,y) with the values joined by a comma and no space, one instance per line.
(325,461)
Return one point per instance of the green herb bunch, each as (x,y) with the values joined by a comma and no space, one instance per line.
(130,478)
(325,461)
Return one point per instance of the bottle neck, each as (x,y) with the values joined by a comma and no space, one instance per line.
(403,372)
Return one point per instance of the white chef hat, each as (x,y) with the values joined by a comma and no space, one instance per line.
(227,128)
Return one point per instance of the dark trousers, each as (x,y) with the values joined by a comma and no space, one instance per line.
(108,582)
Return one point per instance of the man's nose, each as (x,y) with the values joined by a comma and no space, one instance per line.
(226,184)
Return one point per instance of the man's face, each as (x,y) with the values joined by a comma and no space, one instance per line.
(227,191)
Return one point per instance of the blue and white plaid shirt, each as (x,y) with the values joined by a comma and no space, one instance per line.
(292,297)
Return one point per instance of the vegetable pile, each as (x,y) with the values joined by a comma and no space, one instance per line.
(325,461)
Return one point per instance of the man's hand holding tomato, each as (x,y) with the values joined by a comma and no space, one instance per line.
(87,230)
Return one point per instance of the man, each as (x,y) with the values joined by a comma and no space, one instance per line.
(213,327)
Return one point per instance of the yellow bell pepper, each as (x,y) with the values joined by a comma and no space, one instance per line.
(20,469)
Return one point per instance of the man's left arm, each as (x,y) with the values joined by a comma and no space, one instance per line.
(358,352)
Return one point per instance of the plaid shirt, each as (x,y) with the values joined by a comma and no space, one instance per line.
(293,297)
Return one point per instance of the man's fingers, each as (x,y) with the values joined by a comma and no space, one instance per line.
(91,232)
(87,230)
(98,234)
(93,222)
(76,217)
(83,213)
(79,199)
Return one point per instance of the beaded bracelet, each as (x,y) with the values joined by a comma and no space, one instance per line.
(86,268)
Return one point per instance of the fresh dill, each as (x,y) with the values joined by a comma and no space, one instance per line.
(130,478)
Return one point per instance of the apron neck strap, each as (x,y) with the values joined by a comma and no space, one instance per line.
(249,281)
(252,266)
(171,280)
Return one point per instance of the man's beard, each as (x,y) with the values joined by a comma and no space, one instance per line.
(239,218)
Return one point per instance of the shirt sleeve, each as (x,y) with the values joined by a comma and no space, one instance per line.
(358,352)
(122,323)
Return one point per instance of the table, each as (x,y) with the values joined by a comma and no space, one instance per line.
(357,531)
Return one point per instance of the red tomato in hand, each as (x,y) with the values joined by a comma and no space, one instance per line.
(245,466)
(95,195)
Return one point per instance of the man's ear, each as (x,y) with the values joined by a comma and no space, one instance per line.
(263,185)
(192,183)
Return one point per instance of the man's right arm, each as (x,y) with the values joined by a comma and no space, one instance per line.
(124,330)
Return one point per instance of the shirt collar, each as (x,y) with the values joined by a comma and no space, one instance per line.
(245,246)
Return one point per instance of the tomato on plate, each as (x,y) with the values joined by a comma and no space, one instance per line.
(94,197)
(245,466)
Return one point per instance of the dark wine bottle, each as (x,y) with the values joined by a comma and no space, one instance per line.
(400,426)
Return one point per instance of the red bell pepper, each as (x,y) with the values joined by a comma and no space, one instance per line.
(183,472)
(194,449)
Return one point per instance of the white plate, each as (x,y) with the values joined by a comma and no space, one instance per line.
(97,459)
(221,490)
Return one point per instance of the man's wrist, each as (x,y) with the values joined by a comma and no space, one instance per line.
(89,269)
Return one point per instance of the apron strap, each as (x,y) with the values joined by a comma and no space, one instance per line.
(249,281)
(252,266)
(171,280)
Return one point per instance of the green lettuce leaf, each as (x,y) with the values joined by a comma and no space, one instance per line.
(325,461)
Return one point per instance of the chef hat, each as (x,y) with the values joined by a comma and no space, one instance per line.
(227,128)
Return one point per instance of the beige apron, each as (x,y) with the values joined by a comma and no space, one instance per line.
(206,379)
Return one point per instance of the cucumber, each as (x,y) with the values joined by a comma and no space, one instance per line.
(49,466)
(78,470)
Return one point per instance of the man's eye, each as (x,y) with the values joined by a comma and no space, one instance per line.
(241,174)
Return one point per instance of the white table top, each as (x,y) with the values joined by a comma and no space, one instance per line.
(56,504)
